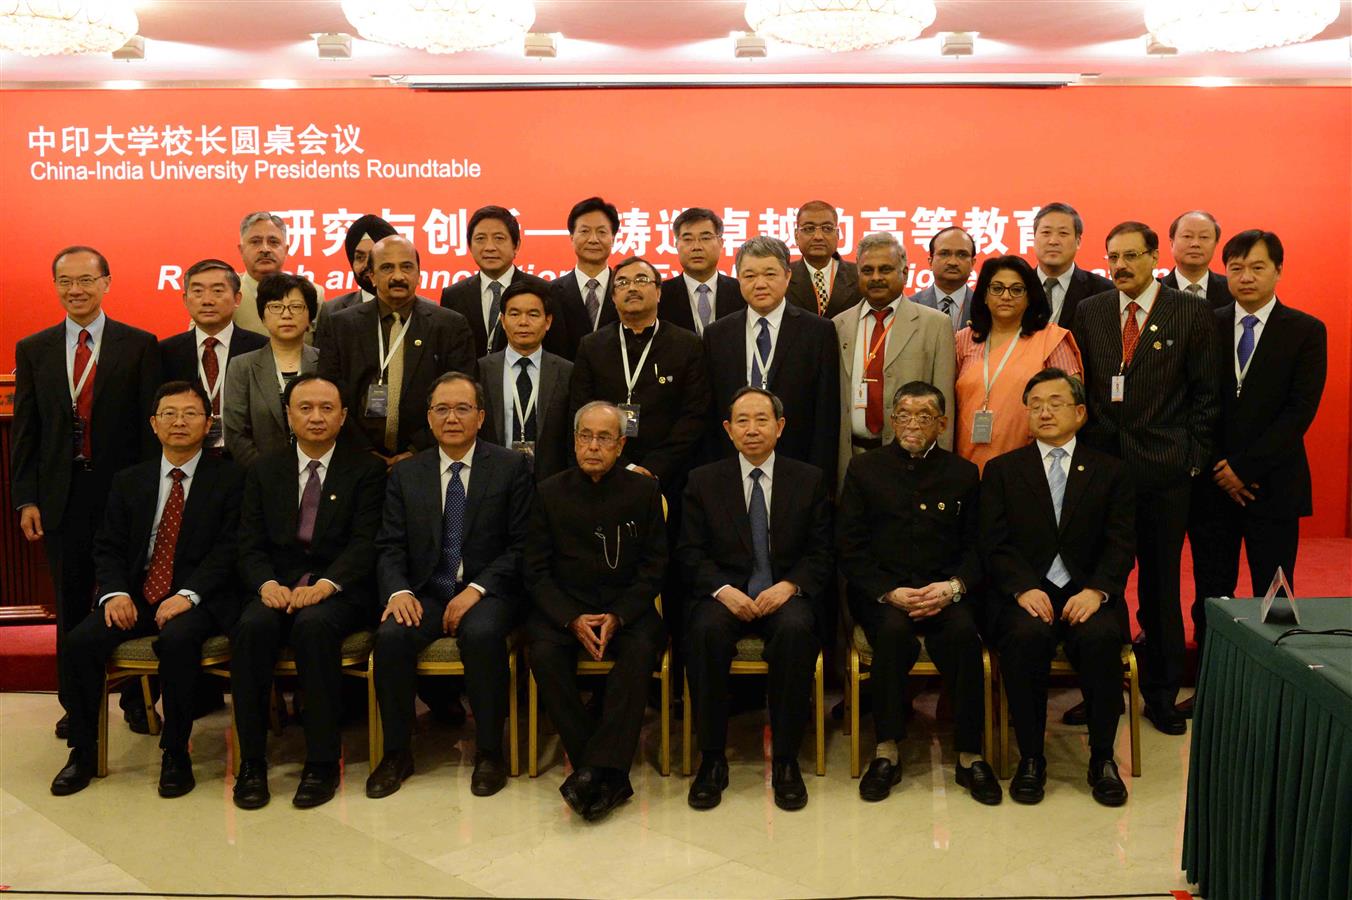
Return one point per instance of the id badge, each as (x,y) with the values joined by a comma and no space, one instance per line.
(377,401)
(1119,388)
(630,411)
(77,432)
(983,425)
(526,447)
(214,432)
(861,395)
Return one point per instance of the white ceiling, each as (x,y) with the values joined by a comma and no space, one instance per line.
(245,41)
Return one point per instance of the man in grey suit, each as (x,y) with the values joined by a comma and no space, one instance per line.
(527,386)
(361,238)
(886,341)
(821,282)
(951,253)
(450,546)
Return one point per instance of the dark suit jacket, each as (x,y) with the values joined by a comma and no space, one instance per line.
(344,546)
(438,341)
(179,358)
(553,424)
(497,511)
(674,305)
(125,381)
(1262,431)
(844,290)
(1083,283)
(1217,288)
(204,556)
(804,374)
(571,324)
(251,411)
(1020,537)
(1166,425)
(465,297)
(715,545)
(331,306)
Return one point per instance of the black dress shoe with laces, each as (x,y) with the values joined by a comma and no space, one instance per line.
(75,775)
(578,788)
(1029,782)
(1107,783)
(318,784)
(881,776)
(980,781)
(251,784)
(787,781)
(393,770)
(63,727)
(706,791)
(611,789)
(490,774)
(135,717)
(176,774)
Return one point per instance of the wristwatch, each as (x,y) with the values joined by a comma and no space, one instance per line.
(956,586)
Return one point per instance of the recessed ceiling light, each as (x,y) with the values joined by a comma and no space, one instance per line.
(334,45)
(957,43)
(541,45)
(749,46)
(134,48)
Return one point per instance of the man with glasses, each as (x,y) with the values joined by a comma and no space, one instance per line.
(1151,378)
(951,254)
(449,558)
(263,248)
(595,556)
(83,390)
(906,539)
(821,282)
(582,295)
(700,294)
(1058,533)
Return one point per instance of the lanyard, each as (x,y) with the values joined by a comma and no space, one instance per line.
(523,415)
(631,376)
(394,348)
(213,392)
(986,367)
(75,388)
(763,360)
(879,341)
(1242,371)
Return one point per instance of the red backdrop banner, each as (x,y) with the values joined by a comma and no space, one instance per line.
(159,179)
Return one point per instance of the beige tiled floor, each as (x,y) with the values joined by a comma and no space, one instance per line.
(434,838)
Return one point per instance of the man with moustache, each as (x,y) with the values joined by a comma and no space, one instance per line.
(1057,230)
(700,294)
(951,254)
(494,236)
(821,282)
(263,248)
(361,237)
(1193,238)
(582,296)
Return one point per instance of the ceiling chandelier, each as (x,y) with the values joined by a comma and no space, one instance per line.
(441,26)
(1234,26)
(44,27)
(839,25)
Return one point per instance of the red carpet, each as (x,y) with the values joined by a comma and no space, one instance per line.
(28,658)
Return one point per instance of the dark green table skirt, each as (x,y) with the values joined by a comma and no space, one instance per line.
(1270,776)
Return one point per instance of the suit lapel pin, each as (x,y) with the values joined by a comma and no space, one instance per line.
(1079,468)
(1154,328)
(941,505)
(417,342)
(333,496)
(1159,346)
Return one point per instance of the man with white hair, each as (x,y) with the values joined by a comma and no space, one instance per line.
(262,246)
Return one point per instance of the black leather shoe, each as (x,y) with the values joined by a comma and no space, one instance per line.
(980,781)
(63,727)
(1184,707)
(1107,784)
(1076,715)
(578,788)
(176,775)
(75,776)
(706,791)
(318,784)
(135,717)
(790,792)
(611,789)
(490,774)
(251,784)
(1166,719)
(1029,781)
(392,771)
(881,776)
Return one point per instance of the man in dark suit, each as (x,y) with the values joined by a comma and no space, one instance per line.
(82,394)
(773,345)
(385,355)
(1058,533)
(306,556)
(1273,365)
(203,352)
(1193,237)
(450,551)
(951,254)
(582,296)
(1057,230)
(906,536)
(165,557)
(821,282)
(526,385)
(742,583)
(595,554)
(1150,373)
(361,238)
(700,293)
(494,236)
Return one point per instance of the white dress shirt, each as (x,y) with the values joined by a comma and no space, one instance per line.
(775,317)
(692,289)
(486,295)
(602,279)
(166,483)
(95,329)
(303,462)
(509,375)
(1183,282)
(1145,302)
(863,342)
(1064,462)
(767,487)
(222,350)
(1262,313)
(1057,296)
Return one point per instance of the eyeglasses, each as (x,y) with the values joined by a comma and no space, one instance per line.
(279,309)
(461,410)
(1129,257)
(187,415)
(811,229)
(85,282)
(1055,405)
(639,280)
(923,420)
(604,441)
(1015,291)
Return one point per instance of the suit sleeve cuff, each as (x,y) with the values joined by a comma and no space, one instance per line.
(193,597)
(397,593)
(337,588)
(106,597)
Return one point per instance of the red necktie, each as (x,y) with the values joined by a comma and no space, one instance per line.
(84,403)
(1131,334)
(873,415)
(211,367)
(160,577)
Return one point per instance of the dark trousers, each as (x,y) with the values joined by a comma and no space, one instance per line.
(316,635)
(179,647)
(791,648)
(1027,646)
(955,647)
(68,553)
(635,649)
(482,639)
(1161,520)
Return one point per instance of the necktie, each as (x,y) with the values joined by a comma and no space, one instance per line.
(1195,290)
(452,526)
(706,310)
(762,352)
(1246,340)
(761,577)
(160,575)
(309,505)
(84,403)
(1131,333)
(1050,286)
(873,373)
(593,302)
(394,377)
(946,305)
(494,308)
(211,367)
(1057,573)
(526,431)
(819,287)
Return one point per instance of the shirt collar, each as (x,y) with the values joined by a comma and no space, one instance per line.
(825,270)
(303,461)
(1183,281)
(223,336)
(602,279)
(512,356)
(505,279)
(1045,448)
(692,285)
(1063,279)
(866,311)
(1145,301)
(767,467)
(774,316)
(188,467)
(958,296)
(95,329)
(1262,313)
(446,460)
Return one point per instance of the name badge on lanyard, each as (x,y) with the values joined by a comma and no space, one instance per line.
(78,423)
(377,404)
(214,433)
(983,423)
(629,407)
